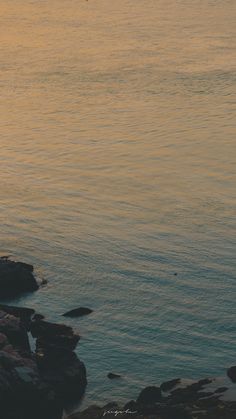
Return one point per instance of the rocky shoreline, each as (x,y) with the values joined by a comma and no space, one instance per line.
(34,382)
(175,399)
(39,382)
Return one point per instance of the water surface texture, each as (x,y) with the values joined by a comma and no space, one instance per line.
(117,172)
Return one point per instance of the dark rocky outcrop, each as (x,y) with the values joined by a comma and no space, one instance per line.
(23,394)
(204,408)
(111,376)
(150,395)
(16,278)
(37,385)
(231,372)
(185,401)
(25,314)
(58,364)
(48,330)
(78,312)
(190,393)
(15,331)
(65,373)
(169,385)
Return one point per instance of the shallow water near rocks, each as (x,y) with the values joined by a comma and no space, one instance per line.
(118,172)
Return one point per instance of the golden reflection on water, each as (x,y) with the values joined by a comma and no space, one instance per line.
(111,103)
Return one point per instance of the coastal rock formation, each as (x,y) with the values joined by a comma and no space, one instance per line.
(15,332)
(24,314)
(198,400)
(58,364)
(37,385)
(16,278)
(23,394)
(66,374)
(78,312)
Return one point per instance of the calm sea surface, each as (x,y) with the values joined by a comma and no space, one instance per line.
(117,159)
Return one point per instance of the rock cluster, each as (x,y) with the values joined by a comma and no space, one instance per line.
(34,384)
(23,393)
(169,401)
(37,385)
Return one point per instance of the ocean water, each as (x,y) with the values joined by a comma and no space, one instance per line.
(117,160)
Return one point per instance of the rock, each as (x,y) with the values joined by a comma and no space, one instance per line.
(22,393)
(204,408)
(37,386)
(175,413)
(111,405)
(66,374)
(221,390)
(131,405)
(15,331)
(150,395)
(38,316)
(6,257)
(3,341)
(111,375)
(41,328)
(92,412)
(65,343)
(59,366)
(78,312)
(23,313)
(25,266)
(16,278)
(190,393)
(231,372)
(199,384)
(169,385)
(52,337)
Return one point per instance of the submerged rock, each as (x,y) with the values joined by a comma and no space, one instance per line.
(16,278)
(78,312)
(111,375)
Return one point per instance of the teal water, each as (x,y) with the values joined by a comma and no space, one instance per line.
(118,172)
